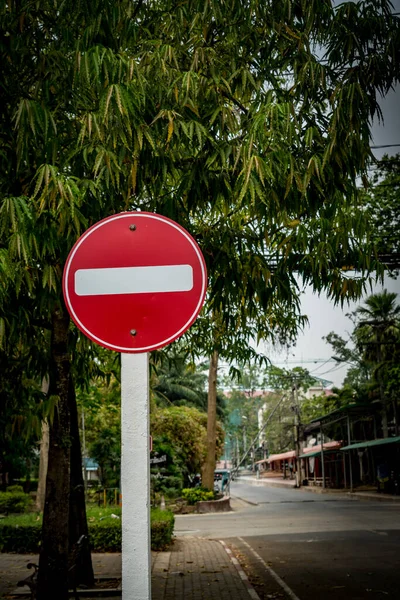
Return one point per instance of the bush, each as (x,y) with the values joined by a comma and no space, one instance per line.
(20,538)
(105,535)
(15,488)
(193,495)
(14,502)
(162,528)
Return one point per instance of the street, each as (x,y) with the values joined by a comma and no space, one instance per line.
(302,545)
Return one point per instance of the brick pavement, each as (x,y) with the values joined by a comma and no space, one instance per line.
(192,569)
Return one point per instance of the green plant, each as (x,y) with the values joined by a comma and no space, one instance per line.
(193,495)
(162,528)
(22,533)
(20,538)
(14,502)
(15,488)
(105,536)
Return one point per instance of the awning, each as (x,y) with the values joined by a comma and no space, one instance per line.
(371,443)
(334,445)
(353,408)
(318,453)
(283,456)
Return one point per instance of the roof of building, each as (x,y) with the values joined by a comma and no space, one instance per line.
(371,443)
(282,456)
(353,408)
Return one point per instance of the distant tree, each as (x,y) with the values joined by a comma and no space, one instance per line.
(357,382)
(382,202)
(377,334)
(185,431)
(177,380)
(101,407)
(372,352)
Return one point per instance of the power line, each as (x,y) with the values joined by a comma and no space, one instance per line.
(321,365)
(385,146)
(340,366)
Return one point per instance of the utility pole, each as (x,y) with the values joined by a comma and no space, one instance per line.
(244,436)
(260,431)
(296,410)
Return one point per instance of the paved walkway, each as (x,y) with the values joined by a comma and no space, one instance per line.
(372,494)
(193,569)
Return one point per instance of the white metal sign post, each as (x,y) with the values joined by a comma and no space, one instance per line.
(135,477)
(135,282)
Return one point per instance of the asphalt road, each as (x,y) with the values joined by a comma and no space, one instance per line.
(306,546)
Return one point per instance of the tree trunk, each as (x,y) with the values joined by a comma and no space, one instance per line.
(44,456)
(43,460)
(53,561)
(77,510)
(209,465)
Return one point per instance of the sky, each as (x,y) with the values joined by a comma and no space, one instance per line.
(311,350)
(322,314)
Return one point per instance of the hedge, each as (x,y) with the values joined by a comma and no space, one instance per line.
(162,528)
(14,501)
(105,535)
(198,494)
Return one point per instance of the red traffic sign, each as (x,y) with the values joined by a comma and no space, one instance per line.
(135,282)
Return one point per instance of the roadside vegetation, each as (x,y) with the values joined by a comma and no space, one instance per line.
(21,533)
(247,123)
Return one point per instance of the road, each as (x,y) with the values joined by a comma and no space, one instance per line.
(306,546)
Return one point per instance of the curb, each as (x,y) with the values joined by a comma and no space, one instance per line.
(245,501)
(252,592)
(270,483)
(371,498)
(214,506)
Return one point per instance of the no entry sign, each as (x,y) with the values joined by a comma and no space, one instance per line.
(135,282)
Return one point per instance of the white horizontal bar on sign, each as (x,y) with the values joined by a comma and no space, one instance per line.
(133,280)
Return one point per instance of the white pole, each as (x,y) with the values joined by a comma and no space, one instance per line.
(135,477)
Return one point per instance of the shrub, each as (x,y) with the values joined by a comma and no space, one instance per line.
(15,488)
(193,495)
(20,538)
(105,535)
(14,502)
(162,528)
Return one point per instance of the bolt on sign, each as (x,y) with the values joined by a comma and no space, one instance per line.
(135,282)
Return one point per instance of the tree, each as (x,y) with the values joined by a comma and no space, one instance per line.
(100,403)
(178,380)
(185,430)
(359,371)
(241,423)
(378,335)
(372,353)
(221,116)
(382,202)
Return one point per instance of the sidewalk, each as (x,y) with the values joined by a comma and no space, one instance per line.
(372,495)
(193,569)
(271,481)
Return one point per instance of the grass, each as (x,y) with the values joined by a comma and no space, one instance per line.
(24,519)
(22,532)
(93,513)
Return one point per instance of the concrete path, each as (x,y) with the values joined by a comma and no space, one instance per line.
(192,569)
